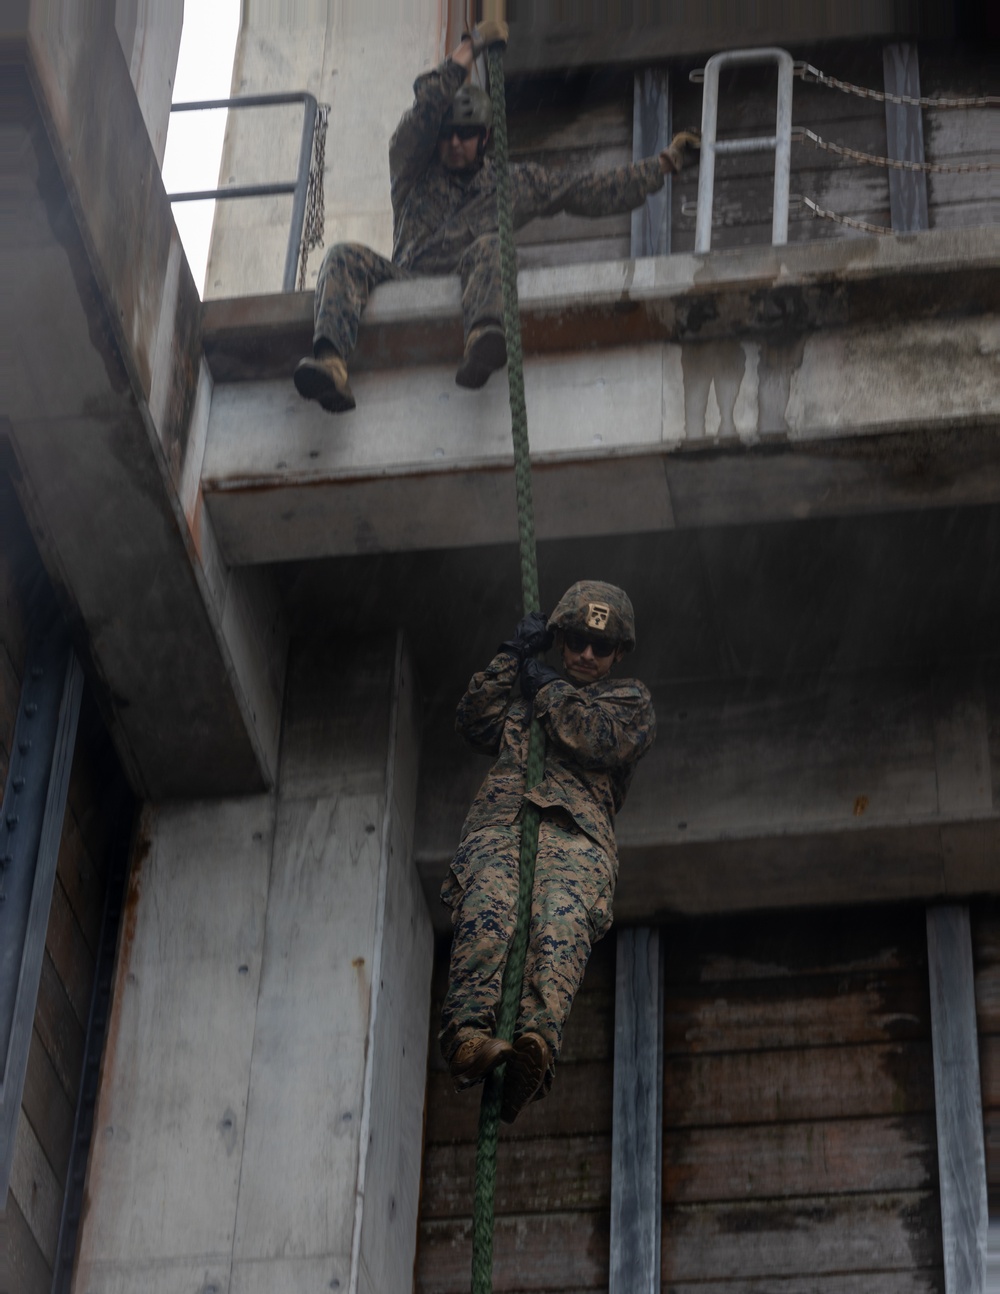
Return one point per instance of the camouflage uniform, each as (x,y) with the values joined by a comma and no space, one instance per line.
(595,736)
(445,222)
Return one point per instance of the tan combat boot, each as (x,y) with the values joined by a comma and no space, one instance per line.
(476,1058)
(485,352)
(324,378)
(524,1074)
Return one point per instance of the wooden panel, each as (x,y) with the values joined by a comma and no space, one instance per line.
(59,1030)
(35,1188)
(782,1086)
(549,1251)
(840,942)
(82,882)
(810,1012)
(616,248)
(792,1237)
(48,1107)
(21,1261)
(581,1099)
(791,1159)
(72,959)
(534,1175)
(909,1282)
(579,125)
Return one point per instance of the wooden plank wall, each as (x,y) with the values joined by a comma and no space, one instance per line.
(553,1194)
(29,1227)
(986,959)
(581,122)
(799,1134)
(584,121)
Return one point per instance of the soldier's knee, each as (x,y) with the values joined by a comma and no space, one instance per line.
(346,256)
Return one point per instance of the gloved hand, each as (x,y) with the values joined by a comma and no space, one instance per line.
(672,157)
(530,636)
(535,675)
(488,33)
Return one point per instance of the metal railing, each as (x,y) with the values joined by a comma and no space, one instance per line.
(297,187)
(711,147)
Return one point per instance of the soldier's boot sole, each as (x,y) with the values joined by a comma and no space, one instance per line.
(524,1074)
(485,352)
(324,379)
(476,1058)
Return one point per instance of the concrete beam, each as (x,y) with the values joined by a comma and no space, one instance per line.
(793,793)
(748,291)
(104,403)
(842,421)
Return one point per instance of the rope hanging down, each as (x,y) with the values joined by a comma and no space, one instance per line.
(489,1113)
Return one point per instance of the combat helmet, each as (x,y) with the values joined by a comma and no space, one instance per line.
(471,106)
(593,607)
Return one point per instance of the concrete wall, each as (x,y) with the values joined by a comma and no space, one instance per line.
(361,59)
(260,1120)
(150,35)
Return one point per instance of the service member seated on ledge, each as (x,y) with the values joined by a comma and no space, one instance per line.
(444,212)
(597,728)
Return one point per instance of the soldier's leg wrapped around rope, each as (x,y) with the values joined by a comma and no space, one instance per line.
(571,910)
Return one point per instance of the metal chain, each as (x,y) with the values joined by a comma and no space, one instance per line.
(314,224)
(846,220)
(807,72)
(802,134)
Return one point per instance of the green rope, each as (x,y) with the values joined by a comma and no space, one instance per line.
(489,1111)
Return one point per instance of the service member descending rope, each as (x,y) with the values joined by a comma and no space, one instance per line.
(444,209)
(597,728)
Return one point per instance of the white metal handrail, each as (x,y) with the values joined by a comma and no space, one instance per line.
(780,142)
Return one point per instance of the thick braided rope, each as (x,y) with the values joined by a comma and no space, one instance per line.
(489,1111)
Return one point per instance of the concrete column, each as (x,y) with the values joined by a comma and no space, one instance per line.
(150,35)
(260,1121)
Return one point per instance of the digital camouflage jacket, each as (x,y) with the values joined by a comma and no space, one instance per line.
(437,213)
(595,736)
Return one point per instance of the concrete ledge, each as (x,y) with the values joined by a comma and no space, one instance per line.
(866,418)
(763,291)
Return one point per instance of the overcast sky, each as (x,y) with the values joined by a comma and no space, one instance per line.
(194,140)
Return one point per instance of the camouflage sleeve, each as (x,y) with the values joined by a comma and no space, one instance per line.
(414,139)
(600,729)
(540,192)
(482,711)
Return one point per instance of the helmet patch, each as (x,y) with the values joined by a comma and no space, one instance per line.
(597,615)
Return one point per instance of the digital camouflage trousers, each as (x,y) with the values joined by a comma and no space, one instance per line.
(350,271)
(570,911)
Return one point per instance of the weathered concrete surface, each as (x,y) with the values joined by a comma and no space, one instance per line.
(360,58)
(261,1112)
(644,438)
(105,400)
(761,291)
(150,35)
(784,793)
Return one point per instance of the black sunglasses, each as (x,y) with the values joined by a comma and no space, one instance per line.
(580,642)
(463,132)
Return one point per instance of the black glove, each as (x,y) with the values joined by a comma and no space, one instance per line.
(534,676)
(530,636)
